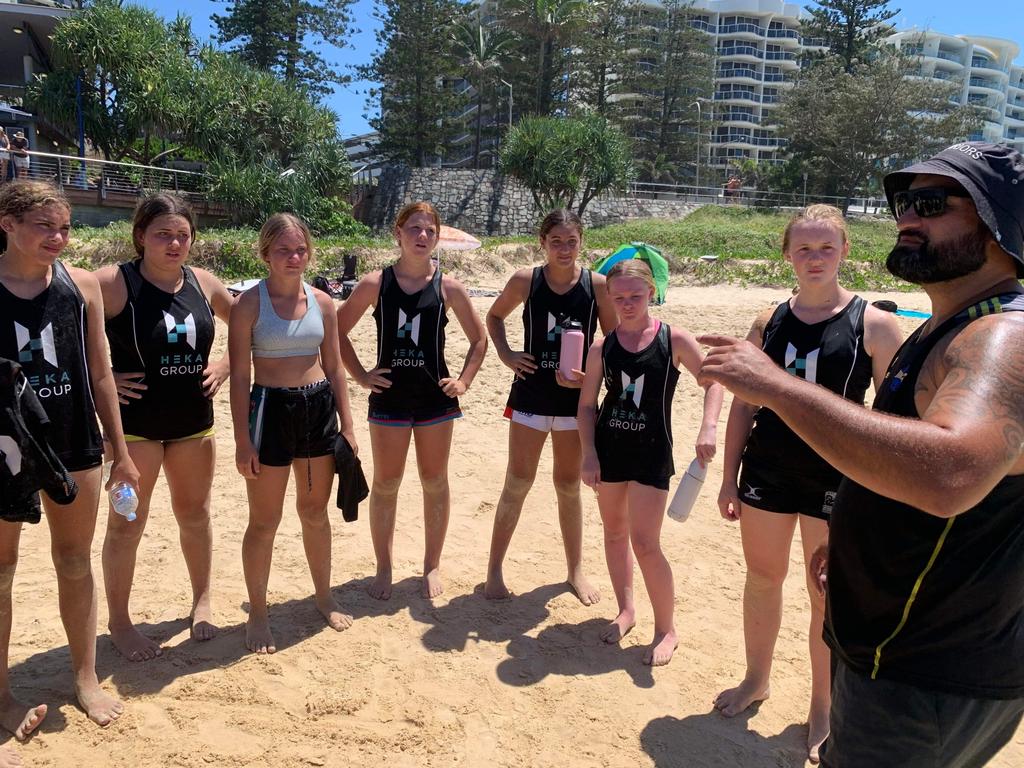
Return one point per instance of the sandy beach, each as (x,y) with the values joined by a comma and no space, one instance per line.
(459,681)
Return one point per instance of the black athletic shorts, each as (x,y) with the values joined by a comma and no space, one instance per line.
(885,723)
(778,491)
(287,423)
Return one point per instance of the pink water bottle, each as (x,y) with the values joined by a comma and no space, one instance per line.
(570,355)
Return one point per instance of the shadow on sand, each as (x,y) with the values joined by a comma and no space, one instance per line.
(560,649)
(45,677)
(710,740)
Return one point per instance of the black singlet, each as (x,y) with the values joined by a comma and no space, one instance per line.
(47,336)
(167,336)
(543,315)
(936,603)
(410,341)
(633,434)
(830,353)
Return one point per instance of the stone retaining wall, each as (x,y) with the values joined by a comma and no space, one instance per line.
(486,202)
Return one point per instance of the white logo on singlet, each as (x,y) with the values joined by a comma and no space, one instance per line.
(176,330)
(632,388)
(802,367)
(28,346)
(12,454)
(409,326)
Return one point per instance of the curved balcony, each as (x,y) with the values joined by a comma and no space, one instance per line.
(784,33)
(989,68)
(951,56)
(739,97)
(739,117)
(740,52)
(738,74)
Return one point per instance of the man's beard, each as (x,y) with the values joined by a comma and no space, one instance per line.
(938,262)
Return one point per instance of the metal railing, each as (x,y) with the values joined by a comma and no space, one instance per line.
(12,95)
(954,57)
(109,177)
(728,29)
(740,50)
(783,32)
(748,196)
(746,95)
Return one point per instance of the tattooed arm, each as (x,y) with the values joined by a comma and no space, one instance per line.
(970,435)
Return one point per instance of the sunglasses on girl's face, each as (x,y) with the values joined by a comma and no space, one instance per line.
(926,201)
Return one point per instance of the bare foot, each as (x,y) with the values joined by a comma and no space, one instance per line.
(817,730)
(585,591)
(134,645)
(20,719)
(734,700)
(618,628)
(495,589)
(100,706)
(380,587)
(332,612)
(9,758)
(257,636)
(661,649)
(203,628)
(432,585)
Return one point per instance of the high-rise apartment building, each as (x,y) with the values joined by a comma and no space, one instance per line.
(983,69)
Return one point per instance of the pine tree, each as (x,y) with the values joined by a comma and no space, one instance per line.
(849,28)
(668,69)
(417,71)
(282,36)
(545,31)
(602,46)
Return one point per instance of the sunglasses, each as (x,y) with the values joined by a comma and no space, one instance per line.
(927,201)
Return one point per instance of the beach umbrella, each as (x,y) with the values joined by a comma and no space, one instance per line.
(644,252)
(452,239)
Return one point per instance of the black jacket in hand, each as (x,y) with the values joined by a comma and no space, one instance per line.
(27,463)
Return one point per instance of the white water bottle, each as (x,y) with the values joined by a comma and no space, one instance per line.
(124,500)
(686,493)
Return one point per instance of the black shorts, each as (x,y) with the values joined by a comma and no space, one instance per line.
(287,423)
(883,722)
(776,490)
(415,417)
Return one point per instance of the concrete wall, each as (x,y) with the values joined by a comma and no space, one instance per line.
(485,202)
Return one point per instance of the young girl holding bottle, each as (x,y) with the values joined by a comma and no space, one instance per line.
(627,446)
(541,399)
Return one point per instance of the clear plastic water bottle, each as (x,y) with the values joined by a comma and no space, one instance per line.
(686,493)
(124,500)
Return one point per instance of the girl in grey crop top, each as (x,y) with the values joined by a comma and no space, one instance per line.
(273,336)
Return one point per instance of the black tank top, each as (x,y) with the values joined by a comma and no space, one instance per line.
(634,425)
(410,341)
(830,353)
(167,336)
(936,603)
(543,315)
(47,336)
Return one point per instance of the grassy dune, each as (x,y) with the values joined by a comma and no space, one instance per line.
(747,243)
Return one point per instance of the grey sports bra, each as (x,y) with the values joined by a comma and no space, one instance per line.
(274,337)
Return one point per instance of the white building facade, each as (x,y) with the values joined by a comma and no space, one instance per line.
(984,69)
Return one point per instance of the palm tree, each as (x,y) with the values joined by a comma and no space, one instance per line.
(547,21)
(479,47)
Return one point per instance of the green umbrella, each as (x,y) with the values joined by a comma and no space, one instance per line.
(644,252)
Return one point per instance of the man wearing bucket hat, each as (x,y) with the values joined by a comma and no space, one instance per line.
(925,609)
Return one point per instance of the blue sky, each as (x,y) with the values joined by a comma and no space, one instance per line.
(977,17)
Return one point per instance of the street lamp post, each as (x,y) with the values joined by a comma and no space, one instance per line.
(697,159)
(509,85)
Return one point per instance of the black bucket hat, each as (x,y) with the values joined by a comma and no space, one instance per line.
(992,174)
